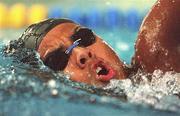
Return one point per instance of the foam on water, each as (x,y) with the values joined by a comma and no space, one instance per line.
(160,90)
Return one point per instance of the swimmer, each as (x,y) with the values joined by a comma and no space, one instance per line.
(64,45)
(158,43)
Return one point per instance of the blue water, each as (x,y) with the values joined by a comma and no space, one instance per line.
(23,91)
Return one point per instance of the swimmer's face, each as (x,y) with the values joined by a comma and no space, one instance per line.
(92,62)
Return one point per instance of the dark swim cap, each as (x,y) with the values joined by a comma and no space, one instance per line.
(34,34)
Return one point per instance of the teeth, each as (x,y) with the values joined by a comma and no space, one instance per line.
(98,69)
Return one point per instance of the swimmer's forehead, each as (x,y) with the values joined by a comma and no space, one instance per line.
(65,28)
(62,32)
(58,37)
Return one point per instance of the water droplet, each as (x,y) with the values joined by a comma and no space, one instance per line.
(52,83)
(54,92)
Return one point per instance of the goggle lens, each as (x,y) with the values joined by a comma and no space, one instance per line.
(57,60)
(86,35)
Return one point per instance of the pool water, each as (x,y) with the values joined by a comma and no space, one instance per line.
(23,91)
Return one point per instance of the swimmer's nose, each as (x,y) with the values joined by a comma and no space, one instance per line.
(82,56)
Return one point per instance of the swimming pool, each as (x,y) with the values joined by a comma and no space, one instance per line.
(23,92)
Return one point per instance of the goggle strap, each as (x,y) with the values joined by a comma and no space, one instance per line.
(75,44)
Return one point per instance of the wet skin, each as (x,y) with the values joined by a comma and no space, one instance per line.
(83,61)
(158,43)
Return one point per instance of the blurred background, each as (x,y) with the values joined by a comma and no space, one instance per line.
(116,21)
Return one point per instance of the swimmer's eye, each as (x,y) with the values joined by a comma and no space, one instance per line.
(57,60)
(86,35)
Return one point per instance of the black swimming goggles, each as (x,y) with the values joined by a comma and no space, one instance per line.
(58,59)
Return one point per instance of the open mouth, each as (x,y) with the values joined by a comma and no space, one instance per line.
(103,71)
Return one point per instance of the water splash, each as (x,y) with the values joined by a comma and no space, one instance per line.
(160,90)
